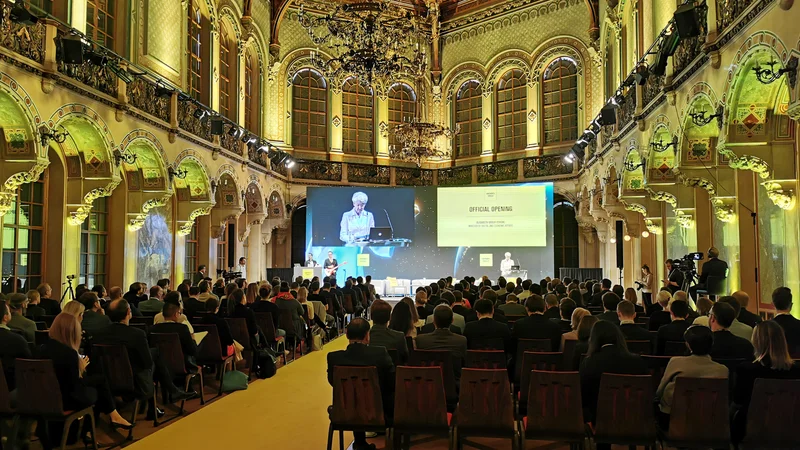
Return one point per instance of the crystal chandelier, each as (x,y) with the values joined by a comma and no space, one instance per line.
(418,141)
(368,39)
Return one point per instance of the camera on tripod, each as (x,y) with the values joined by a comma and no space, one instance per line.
(687,264)
(228,276)
(70,277)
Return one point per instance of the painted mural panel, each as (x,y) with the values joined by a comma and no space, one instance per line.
(155,246)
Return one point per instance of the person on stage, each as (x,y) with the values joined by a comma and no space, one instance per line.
(310,261)
(242,267)
(505,265)
(330,265)
(357,222)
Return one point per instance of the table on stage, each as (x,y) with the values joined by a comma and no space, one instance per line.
(308,272)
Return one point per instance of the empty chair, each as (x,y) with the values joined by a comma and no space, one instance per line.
(357,403)
(555,411)
(485,408)
(699,414)
(625,411)
(545,361)
(486,359)
(239,333)
(419,404)
(169,347)
(209,353)
(773,418)
(640,347)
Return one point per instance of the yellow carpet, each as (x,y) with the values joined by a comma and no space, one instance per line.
(287,411)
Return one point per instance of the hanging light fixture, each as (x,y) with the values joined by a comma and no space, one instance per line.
(419,140)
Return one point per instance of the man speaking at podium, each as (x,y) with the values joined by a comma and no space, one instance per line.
(356,223)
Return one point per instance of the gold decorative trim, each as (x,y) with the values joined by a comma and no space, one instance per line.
(8,193)
(723,212)
(79,215)
(186,228)
(746,162)
(138,222)
(782,198)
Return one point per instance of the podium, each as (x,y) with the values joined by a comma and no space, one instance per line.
(519,273)
(307,272)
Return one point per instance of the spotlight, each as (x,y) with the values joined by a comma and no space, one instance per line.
(20,14)
(199,113)
(569,159)
(645,234)
(491,170)
(235,132)
(71,51)
(96,58)
(627,238)
(613,240)
(263,148)
(121,73)
(642,73)
(163,91)
(290,164)
(250,139)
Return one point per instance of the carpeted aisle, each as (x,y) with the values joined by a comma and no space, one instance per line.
(286,411)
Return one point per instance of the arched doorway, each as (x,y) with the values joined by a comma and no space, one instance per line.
(565,234)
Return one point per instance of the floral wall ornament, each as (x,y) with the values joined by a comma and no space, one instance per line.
(186,229)
(77,217)
(684,220)
(652,227)
(701,183)
(746,162)
(138,222)
(723,212)
(783,199)
(8,192)
(666,197)
(635,207)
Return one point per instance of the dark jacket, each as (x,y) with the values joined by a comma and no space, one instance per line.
(485,329)
(442,339)
(35,312)
(423,313)
(94,321)
(553,313)
(430,328)
(728,346)
(635,332)
(381,335)
(243,312)
(537,326)
(713,267)
(659,319)
(135,342)
(672,331)
(75,394)
(791,328)
(363,355)
(188,345)
(609,316)
(51,306)
(266,306)
(748,318)
(297,312)
(469,314)
(192,306)
(565,324)
(224,331)
(676,276)
(610,359)
(597,299)
(12,346)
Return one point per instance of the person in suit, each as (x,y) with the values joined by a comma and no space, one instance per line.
(771,361)
(610,301)
(565,309)
(737,328)
(33,311)
(587,296)
(726,344)
(355,296)
(552,312)
(381,335)
(359,352)
(684,296)
(94,317)
(171,324)
(713,267)
(504,293)
(627,323)
(78,390)
(200,275)
(599,291)
(51,306)
(12,346)
(536,325)
(630,295)
(699,341)
(461,309)
(192,305)
(674,279)
(486,328)
(511,307)
(444,339)
(745,316)
(660,315)
(155,303)
(284,301)
(607,354)
(458,319)
(782,300)
(673,331)
(19,322)
(241,311)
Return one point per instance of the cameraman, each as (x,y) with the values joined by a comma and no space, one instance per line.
(674,279)
(714,267)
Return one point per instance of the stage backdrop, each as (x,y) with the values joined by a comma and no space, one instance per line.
(479,224)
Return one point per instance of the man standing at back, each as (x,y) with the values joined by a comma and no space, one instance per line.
(782,299)
(444,339)
(199,275)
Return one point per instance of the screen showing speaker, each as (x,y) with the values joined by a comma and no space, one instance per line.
(429,232)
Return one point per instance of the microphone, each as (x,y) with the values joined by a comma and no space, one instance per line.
(390,222)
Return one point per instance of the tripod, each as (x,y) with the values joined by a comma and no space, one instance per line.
(69,290)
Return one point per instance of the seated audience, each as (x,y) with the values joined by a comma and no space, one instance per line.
(18,322)
(444,339)
(630,295)
(607,354)
(536,325)
(673,331)
(704,305)
(381,334)
(627,323)
(699,341)
(565,310)
(460,307)
(421,301)
(782,300)
(491,295)
(504,293)
(135,291)
(772,360)
(191,305)
(12,346)
(51,306)
(575,320)
(360,353)
(171,324)
(576,297)
(94,317)
(684,296)
(746,317)
(552,311)
(414,315)
(402,320)
(511,307)
(175,298)
(251,293)
(582,346)
(610,301)
(486,329)
(601,289)
(241,311)
(33,311)
(264,305)
(74,308)
(660,314)
(726,344)
(737,328)
(285,301)
(458,319)
(205,291)
(223,330)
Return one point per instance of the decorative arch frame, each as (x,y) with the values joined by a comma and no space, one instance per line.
(195,156)
(508,60)
(26,105)
(228,15)
(270,214)
(460,75)
(228,169)
(141,134)
(88,114)
(760,41)
(254,180)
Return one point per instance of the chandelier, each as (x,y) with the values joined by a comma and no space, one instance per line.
(418,141)
(368,39)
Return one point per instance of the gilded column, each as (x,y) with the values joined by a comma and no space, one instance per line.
(488,123)
(336,118)
(533,116)
(382,121)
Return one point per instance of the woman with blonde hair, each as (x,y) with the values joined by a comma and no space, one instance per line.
(575,320)
(704,305)
(74,308)
(78,390)
(252,293)
(771,360)
(421,300)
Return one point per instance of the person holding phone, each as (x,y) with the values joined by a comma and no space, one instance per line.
(674,279)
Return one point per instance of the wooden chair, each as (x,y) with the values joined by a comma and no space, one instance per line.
(357,403)
(569,352)
(117,370)
(443,359)
(349,308)
(240,334)
(286,323)
(512,319)
(487,344)
(140,326)
(419,405)
(529,345)
(6,412)
(209,353)
(546,361)
(772,418)
(656,365)
(41,326)
(267,326)
(147,320)
(48,320)
(699,415)
(625,411)
(169,347)
(40,337)
(640,347)
(486,359)
(555,412)
(485,408)
(393,353)
(675,348)
(39,397)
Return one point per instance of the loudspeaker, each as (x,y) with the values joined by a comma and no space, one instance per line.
(608,115)
(231,256)
(216,126)
(72,50)
(620,239)
(686,22)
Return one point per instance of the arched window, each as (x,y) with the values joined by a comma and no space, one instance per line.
(23,238)
(560,91)
(228,79)
(105,23)
(402,107)
(190,259)
(309,111)
(565,239)
(94,244)
(357,115)
(468,111)
(252,93)
(198,42)
(512,104)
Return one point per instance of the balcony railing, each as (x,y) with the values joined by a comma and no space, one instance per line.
(413,177)
(651,89)
(456,176)
(364,173)
(142,95)
(730,10)
(545,166)
(97,76)
(499,171)
(25,40)
(627,109)
(318,170)
(690,48)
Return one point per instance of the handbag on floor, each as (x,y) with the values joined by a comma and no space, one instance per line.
(317,341)
(234,381)
(266,364)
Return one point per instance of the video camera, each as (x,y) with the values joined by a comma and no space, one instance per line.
(687,264)
(228,276)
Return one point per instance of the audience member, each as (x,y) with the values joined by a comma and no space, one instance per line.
(737,328)
(402,320)
(171,324)
(511,307)
(565,310)
(675,330)
(660,311)
(460,308)
(284,301)
(610,301)
(551,302)
(74,308)
(582,346)
(94,317)
(252,293)
(536,325)
(704,305)
(223,330)
(782,300)
(597,296)
(575,320)
(33,311)
(27,327)
(746,317)
(241,311)
(135,291)
(487,332)
(444,339)
(458,319)
(263,305)
(205,291)
(630,295)
(12,346)
(50,305)
(726,344)
(381,334)
(504,293)
(175,298)
(626,313)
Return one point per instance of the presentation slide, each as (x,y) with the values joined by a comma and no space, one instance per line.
(362,217)
(492,216)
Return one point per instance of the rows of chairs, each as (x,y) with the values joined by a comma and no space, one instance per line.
(554,412)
